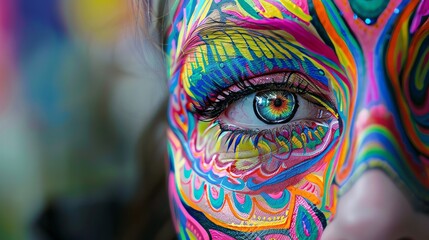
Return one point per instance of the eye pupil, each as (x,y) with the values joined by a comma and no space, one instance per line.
(278,102)
(274,107)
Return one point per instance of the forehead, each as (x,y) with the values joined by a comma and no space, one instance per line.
(370,14)
(349,23)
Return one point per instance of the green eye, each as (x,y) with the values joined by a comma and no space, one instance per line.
(273,107)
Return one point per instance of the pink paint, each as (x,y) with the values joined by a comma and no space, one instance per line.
(422,11)
(214,192)
(276,236)
(259,6)
(240,197)
(276,195)
(302,4)
(197,182)
(220,235)
(287,12)
(371,90)
(300,34)
(306,232)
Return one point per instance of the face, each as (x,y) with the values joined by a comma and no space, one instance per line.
(290,117)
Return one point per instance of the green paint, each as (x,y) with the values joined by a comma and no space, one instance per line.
(187,173)
(305,226)
(312,143)
(368,9)
(198,192)
(217,202)
(246,206)
(249,9)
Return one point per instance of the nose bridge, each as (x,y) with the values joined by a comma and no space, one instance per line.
(377,136)
(379,140)
(375,129)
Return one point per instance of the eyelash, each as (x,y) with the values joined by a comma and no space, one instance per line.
(213,107)
(235,135)
(238,135)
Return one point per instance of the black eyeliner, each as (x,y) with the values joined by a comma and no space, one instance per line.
(213,107)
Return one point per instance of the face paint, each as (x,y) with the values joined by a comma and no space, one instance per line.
(277,106)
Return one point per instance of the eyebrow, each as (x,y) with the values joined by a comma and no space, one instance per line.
(301,34)
(218,54)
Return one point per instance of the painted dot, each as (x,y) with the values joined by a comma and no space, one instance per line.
(321,72)
(368,21)
(396,10)
(355,16)
(221,65)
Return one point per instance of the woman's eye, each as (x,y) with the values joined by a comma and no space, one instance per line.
(273,107)
(275,121)
(270,108)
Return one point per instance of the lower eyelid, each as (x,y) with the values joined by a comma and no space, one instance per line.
(273,139)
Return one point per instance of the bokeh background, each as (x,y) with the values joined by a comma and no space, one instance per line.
(82,99)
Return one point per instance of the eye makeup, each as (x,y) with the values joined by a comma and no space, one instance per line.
(224,60)
(233,114)
(291,82)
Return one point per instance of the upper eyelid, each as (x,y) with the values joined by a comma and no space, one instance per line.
(215,106)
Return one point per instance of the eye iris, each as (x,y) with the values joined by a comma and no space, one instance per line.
(274,107)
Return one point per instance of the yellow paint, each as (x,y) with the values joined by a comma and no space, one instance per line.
(271,11)
(221,51)
(296,142)
(191,235)
(263,147)
(295,10)
(284,145)
(257,48)
(317,135)
(214,49)
(279,51)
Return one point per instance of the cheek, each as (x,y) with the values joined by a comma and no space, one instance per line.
(266,160)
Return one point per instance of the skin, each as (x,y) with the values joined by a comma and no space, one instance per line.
(351,150)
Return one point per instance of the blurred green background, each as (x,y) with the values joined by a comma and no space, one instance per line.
(81,104)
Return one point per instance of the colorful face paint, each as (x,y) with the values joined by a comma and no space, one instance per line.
(277,106)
